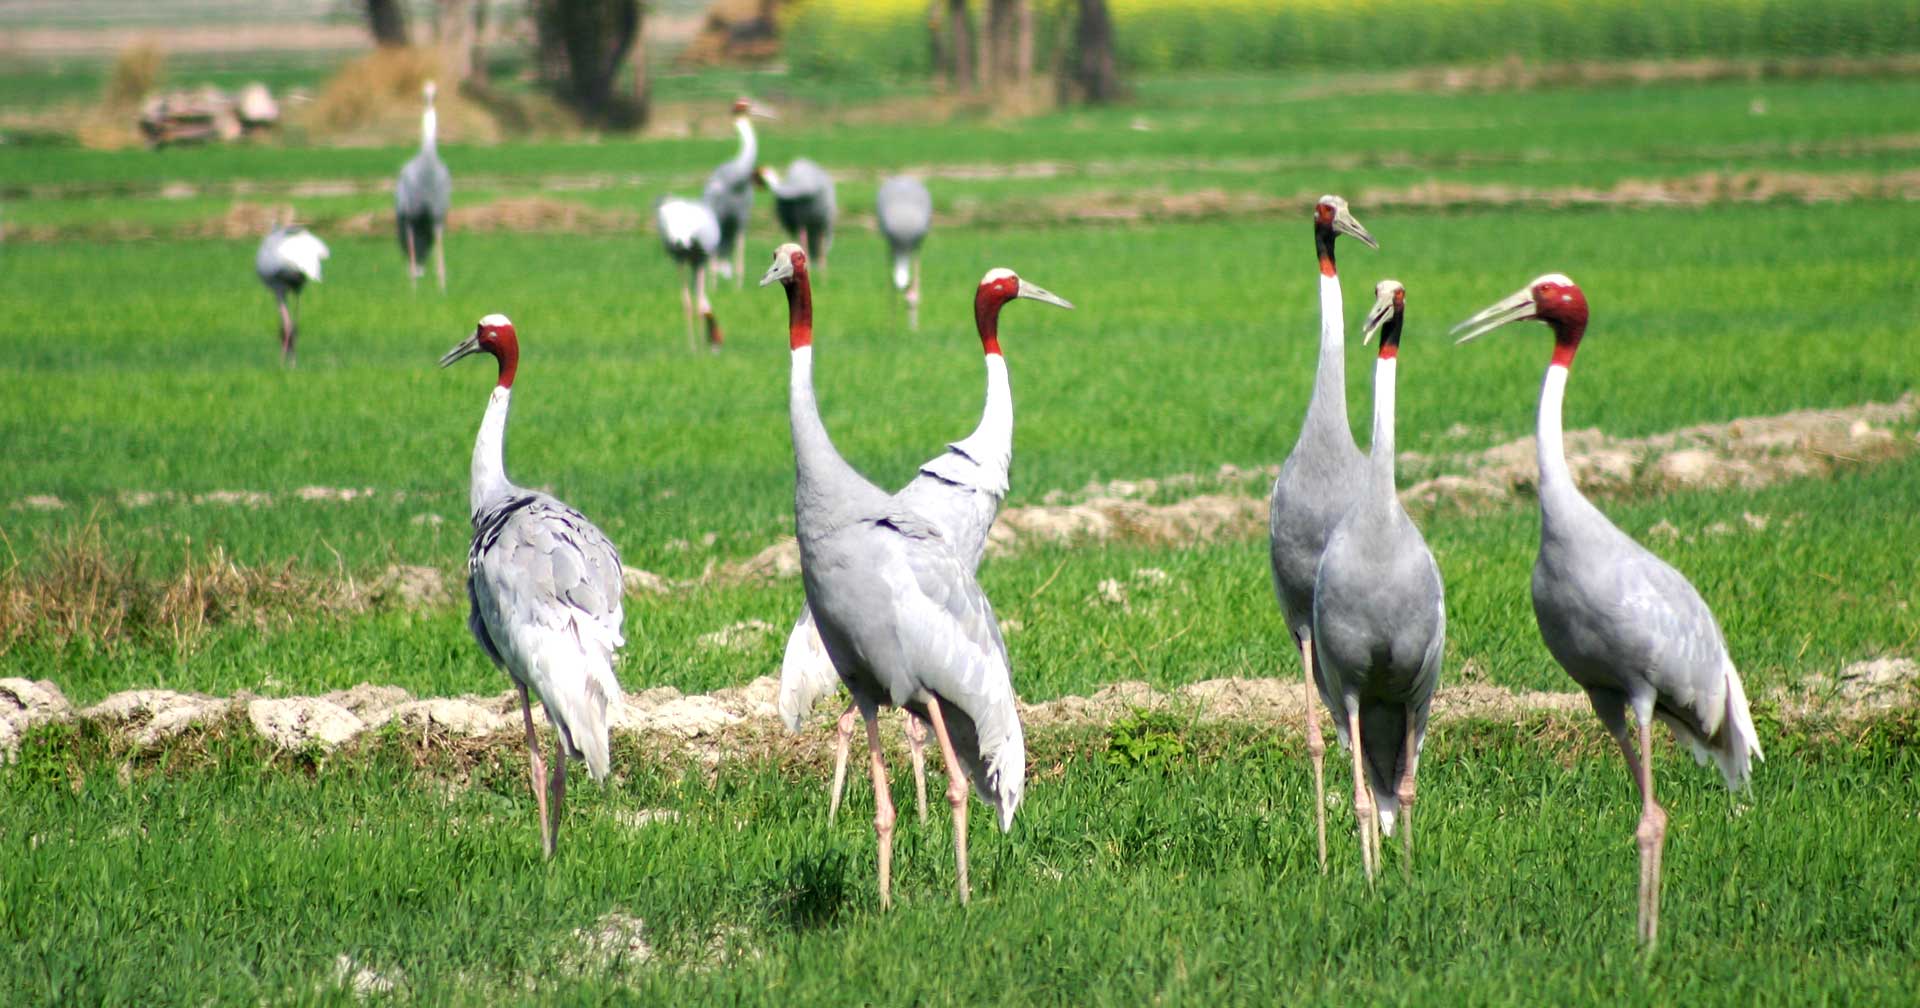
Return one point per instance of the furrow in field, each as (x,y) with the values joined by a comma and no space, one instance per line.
(545,215)
(744,722)
(1040,169)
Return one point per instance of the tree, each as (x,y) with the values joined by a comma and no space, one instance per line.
(959,51)
(388,21)
(582,45)
(456,30)
(1092,74)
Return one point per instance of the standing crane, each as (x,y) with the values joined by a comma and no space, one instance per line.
(544,585)
(729,192)
(904,212)
(1630,629)
(289,256)
(898,610)
(1320,480)
(1380,619)
(691,235)
(960,490)
(421,198)
(803,203)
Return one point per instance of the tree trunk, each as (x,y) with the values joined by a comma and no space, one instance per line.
(960,30)
(1023,45)
(1092,74)
(387,19)
(455,32)
(1001,51)
(582,44)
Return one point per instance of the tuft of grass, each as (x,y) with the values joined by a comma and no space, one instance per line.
(136,73)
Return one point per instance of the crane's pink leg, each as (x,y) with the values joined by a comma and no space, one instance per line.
(882,811)
(740,257)
(1405,794)
(956,793)
(913,296)
(917,752)
(1650,836)
(556,795)
(1363,807)
(843,740)
(1316,751)
(706,307)
(686,308)
(413,261)
(440,255)
(286,332)
(538,769)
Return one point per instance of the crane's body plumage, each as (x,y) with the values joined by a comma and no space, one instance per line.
(804,204)
(1628,628)
(422,197)
(544,587)
(288,257)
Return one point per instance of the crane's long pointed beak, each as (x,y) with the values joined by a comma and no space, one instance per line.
(1039,293)
(1382,310)
(466,347)
(761,112)
(1517,307)
(1344,223)
(779,271)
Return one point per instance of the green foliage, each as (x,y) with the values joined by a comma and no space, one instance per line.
(1146,739)
(841,39)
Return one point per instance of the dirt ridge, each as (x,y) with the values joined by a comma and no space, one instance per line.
(745,719)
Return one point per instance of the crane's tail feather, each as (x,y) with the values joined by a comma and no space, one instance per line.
(1383,742)
(1734,746)
(583,714)
(806,672)
(902,271)
(1740,743)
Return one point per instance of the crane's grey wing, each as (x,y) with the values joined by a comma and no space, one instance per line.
(1680,648)
(952,644)
(544,564)
(904,211)
(951,492)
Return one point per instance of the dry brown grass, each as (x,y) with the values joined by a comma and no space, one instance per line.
(136,73)
(79,589)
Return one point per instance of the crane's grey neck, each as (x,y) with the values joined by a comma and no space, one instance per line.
(1328,407)
(991,443)
(429,130)
(1381,459)
(489,453)
(1555,478)
(822,477)
(749,146)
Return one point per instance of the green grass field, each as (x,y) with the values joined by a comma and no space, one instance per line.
(218,870)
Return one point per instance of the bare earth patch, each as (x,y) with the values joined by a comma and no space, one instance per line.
(742,722)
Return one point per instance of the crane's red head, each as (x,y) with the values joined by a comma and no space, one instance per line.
(998,287)
(790,269)
(1331,217)
(741,106)
(1554,299)
(494,335)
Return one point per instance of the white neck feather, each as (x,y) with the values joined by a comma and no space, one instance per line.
(489,451)
(991,443)
(749,147)
(1552,447)
(1382,449)
(1330,375)
(429,129)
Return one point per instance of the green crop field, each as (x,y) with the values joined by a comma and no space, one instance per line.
(174,515)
